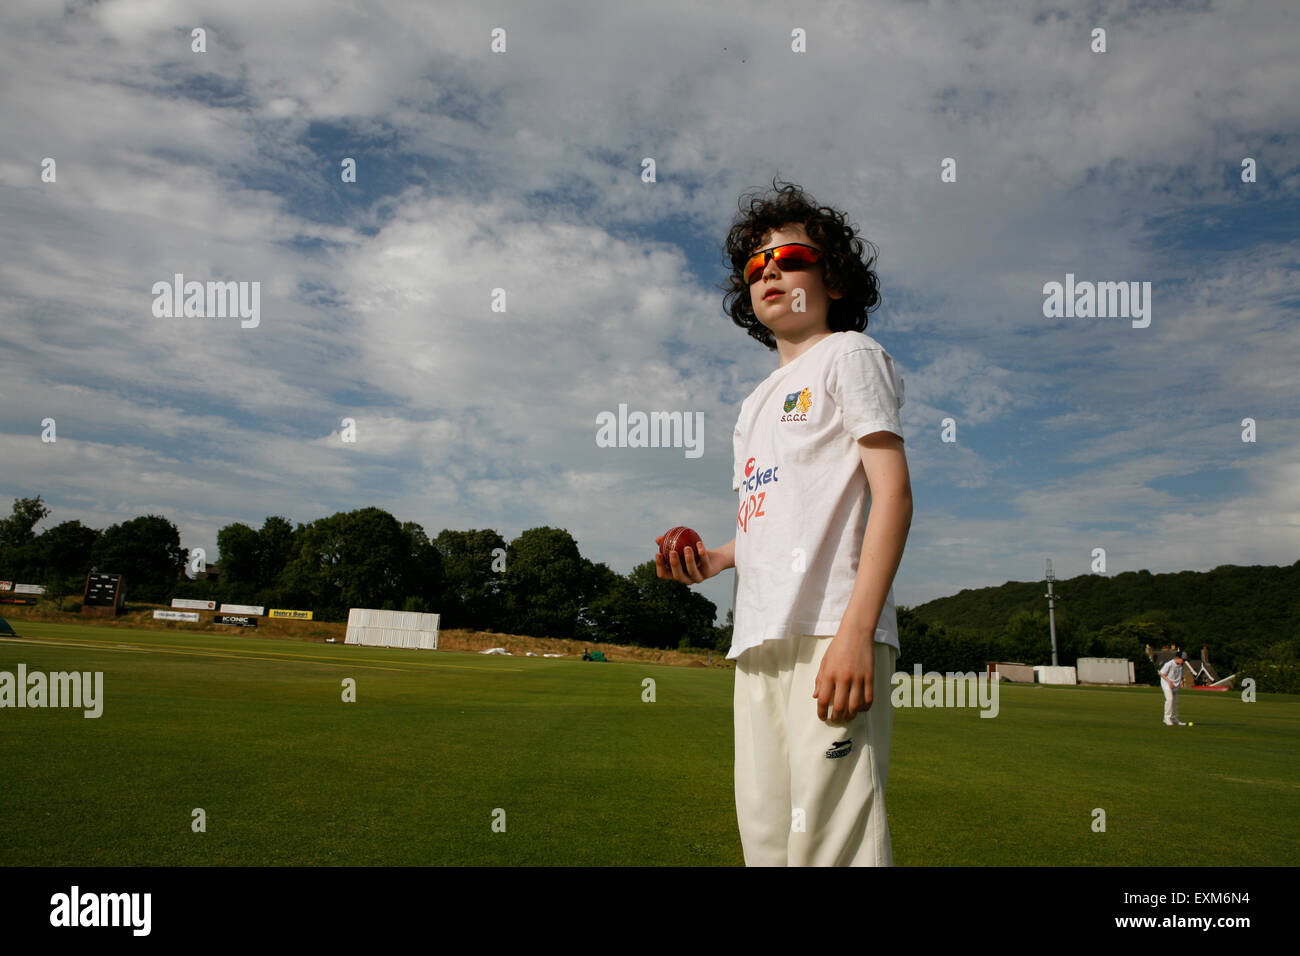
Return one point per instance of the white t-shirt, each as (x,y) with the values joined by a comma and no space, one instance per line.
(1173,669)
(804,496)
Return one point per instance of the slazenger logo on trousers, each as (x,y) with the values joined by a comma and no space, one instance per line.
(840,748)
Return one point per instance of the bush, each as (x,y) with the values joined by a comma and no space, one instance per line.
(1272,677)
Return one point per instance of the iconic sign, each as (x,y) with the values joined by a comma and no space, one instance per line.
(237,619)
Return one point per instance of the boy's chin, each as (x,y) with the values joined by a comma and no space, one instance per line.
(782,321)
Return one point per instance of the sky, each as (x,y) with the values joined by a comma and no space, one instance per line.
(521,169)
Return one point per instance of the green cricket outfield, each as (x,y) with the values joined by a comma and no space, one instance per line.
(451,758)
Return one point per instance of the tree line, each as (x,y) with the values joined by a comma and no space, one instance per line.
(539,584)
(1248,617)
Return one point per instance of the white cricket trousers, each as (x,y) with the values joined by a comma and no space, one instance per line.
(1171,702)
(808,792)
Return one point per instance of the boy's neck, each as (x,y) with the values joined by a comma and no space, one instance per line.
(790,348)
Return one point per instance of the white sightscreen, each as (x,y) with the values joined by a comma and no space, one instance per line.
(1105,670)
(375,628)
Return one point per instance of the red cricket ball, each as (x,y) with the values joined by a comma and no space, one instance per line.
(678,539)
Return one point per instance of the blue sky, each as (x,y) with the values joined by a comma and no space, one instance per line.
(521,170)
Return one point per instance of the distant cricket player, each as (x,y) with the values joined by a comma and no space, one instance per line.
(1171,678)
(818,447)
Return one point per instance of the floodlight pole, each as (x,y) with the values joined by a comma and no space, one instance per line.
(1051,608)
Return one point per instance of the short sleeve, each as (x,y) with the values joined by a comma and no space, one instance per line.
(868,390)
(736,451)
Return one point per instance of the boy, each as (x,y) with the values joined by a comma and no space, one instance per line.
(1171,678)
(817,445)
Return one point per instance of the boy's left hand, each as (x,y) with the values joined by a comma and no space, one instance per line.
(846,677)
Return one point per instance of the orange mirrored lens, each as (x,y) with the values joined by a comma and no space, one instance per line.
(791,257)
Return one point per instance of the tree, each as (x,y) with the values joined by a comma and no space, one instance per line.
(669,613)
(17,529)
(19,556)
(612,612)
(544,586)
(423,571)
(275,549)
(913,639)
(1130,640)
(240,555)
(65,552)
(355,559)
(146,550)
(1027,638)
(253,562)
(471,581)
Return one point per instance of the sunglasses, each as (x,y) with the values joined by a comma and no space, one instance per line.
(792,257)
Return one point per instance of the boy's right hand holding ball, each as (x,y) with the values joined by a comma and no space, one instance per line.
(694,569)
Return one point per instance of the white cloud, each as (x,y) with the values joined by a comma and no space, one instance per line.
(521,171)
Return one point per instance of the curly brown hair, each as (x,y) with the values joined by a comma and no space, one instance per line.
(843,268)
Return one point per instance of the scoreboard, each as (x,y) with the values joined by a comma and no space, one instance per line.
(104,594)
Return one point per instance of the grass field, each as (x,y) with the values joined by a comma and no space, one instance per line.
(254,731)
